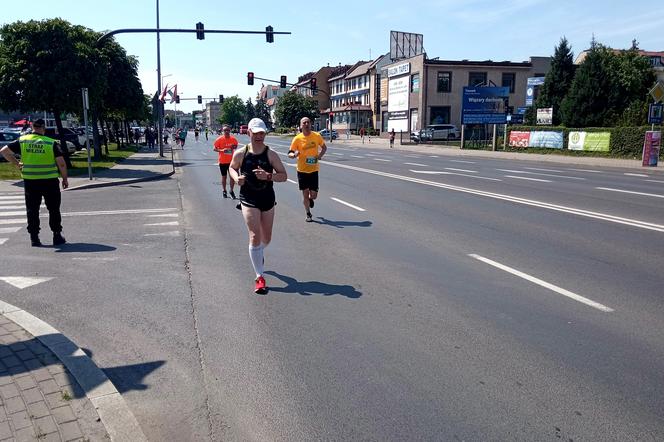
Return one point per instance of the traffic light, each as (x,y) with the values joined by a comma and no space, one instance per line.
(314,88)
(250,78)
(282,83)
(221,99)
(269,34)
(200,31)
(177,99)
(200,99)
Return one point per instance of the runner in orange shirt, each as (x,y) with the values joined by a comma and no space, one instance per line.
(226,145)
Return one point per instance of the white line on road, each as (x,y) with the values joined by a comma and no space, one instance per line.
(629,191)
(90,258)
(165,215)
(527,178)
(642,175)
(371,154)
(338,154)
(544,284)
(3,240)
(171,233)
(357,156)
(586,170)
(119,212)
(12,207)
(21,282)
(352,206)
(22,212)
(290,181)
(416,164)
(462,161)
(654,181)
(6,203)
(10,229)
(413,156)
(438,172)
(435,156)
(544,170)
(169,223)
(542,174)
(461,170)
(382,159)
(14,221)
(17,197)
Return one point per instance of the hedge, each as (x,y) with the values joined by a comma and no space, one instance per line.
(625,141)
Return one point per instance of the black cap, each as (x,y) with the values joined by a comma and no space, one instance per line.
(39,122)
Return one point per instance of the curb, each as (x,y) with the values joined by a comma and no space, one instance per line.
(119,183)
(118,420)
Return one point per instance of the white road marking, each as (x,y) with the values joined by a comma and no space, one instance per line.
(352,206)
(462,161)
(438,172)
(88,258)
(165,215)
(586,170)
(416,164)
(338,154)
(169,223)
(14,221)
(642,175)
(22,212)
(413,156)
(461,170)
(542,174)
(629,191)
(382,159)
(12,207)
(8,198)
(3,240)
(544,284)
(119,212)
(290,181)
(357,156)
(171,233)
(22,282)
(544,170)
(435,156)
(371,154)
(654,181)
(527,178)
(6,203)
(10,229)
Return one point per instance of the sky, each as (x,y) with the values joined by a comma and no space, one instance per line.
(342,32)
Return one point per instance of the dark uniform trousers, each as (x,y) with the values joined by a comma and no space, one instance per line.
(49,189)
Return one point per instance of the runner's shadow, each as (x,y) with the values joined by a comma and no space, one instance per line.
(342,224)
(310,288)
(82,247)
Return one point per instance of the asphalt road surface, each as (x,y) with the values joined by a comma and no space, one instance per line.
(433,298)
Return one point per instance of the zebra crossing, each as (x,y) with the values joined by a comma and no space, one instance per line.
(12,214)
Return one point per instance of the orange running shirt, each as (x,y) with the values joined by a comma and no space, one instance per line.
(226,147)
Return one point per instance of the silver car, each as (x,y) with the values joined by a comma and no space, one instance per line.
(440,132)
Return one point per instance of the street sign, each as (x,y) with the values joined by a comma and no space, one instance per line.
(655,113)
(657,92)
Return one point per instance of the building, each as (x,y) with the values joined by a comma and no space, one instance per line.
(270,94)
(419,91)
(212,112)
(321,95)
(352,107)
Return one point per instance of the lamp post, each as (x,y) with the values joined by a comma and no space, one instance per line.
(160,113)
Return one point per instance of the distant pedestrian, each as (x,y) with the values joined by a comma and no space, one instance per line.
(149,137)
(255,168)
(196,133)
(41,164)
(362,134)
(392,135)
(225,145)
(182,135)
(206,133)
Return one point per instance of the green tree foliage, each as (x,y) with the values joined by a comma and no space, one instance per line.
(233,111)
(558,80)
(292,106)
(263,112)
(249,111)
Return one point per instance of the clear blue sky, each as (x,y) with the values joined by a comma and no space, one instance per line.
(343,32)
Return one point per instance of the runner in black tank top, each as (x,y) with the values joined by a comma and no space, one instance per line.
(257,193)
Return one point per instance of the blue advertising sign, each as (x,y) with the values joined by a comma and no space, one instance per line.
(484,105)
(550,139)
(516,118)
(531,91)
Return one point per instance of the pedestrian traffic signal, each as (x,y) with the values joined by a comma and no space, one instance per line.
(177,99)
(200,99)
(250,78)
(221,99)
(314,88)
(200,31)
(282,83)
(269,34)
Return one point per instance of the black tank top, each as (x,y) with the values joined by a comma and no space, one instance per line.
(249,163)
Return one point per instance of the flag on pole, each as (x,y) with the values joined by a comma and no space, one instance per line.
(174,93)
(162,97)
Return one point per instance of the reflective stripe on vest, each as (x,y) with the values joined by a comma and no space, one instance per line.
(38,157)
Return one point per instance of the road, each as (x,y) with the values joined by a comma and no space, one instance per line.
(433,298)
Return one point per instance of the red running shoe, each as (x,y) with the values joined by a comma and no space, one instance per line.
(260,289)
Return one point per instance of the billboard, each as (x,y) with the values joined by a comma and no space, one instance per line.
(589,141)
(651,146)
(405,45)
(397,104)
(545,116)
(531,89)
(484,105)
(548,139)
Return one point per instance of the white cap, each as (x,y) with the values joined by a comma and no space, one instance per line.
(257,125)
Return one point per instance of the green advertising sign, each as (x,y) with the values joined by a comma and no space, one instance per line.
(589,141)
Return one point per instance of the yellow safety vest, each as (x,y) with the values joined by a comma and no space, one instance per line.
(38,157)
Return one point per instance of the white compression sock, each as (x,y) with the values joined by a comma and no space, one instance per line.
(256,255)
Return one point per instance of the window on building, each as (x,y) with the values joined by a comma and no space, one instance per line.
(415,83)
(439,115)
(476,79)
(509,79)
(444,83)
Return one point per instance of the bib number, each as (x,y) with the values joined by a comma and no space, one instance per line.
(312,160)
(228,151)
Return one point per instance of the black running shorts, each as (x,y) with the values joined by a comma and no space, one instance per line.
(308,181)
(224,169)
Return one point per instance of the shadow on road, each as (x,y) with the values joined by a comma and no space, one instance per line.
(310,288)
(342,224)
(81,247)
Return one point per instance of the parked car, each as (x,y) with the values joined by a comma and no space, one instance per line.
(70,136)
(243,129)
(325,133)
(439,132)
(7,137)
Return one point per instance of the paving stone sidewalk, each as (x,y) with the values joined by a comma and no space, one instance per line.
(39,398)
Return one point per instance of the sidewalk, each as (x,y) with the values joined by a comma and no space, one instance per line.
(440,149)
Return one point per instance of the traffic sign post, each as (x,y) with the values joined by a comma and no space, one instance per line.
(86,106)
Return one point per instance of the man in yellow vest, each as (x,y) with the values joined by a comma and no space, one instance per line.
(41,164)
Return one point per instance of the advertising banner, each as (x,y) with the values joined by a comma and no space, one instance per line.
(651,147)
(531,91)
(548,139)
(589,141)
(397,104)
(519,138)
(484,105)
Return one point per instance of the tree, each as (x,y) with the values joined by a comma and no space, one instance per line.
(558,80)
(249,111)
(292,106)
(233,111)
(263,112)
